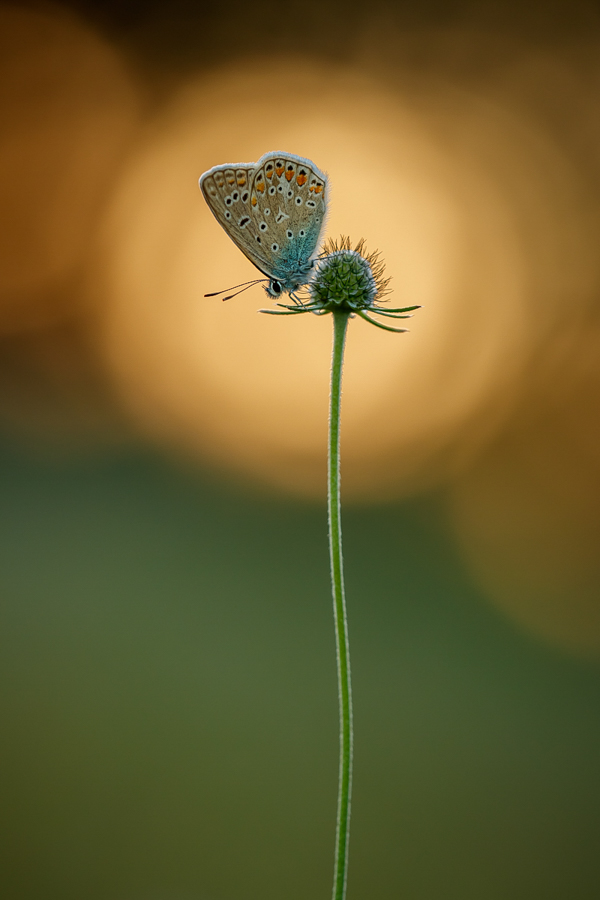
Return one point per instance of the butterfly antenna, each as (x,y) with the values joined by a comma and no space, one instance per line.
(244,287)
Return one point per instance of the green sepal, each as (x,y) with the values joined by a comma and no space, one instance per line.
(405,310)
(284,312)
(386,312)
(363,315)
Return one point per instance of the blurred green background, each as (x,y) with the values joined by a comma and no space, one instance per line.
(169,702)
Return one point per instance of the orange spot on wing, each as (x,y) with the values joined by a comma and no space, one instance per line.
(260,187)
(318,188)
(279,170)
(241,179)
(269,171)
(254,200)
(289,174)
(301,178)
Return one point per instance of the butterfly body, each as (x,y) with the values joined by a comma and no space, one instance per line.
(274,210)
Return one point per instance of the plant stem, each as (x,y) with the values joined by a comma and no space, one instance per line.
(340,323)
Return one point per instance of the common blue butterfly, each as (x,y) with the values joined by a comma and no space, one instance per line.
(274,210)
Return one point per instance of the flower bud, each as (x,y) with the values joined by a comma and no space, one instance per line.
(346,278)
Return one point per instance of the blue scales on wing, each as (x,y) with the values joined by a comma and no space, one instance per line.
(274,210)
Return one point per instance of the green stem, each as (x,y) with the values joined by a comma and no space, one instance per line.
(340,323)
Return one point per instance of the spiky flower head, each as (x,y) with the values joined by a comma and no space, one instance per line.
(347,277)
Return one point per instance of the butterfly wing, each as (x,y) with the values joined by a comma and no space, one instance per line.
(288,198)
(227,191)
(273,210)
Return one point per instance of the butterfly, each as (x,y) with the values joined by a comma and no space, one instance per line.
(275,211)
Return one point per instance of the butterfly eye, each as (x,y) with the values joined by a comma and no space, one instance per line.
(276,287)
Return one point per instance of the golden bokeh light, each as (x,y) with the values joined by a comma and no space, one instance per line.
(69,108)
(527,514)
(421,182)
